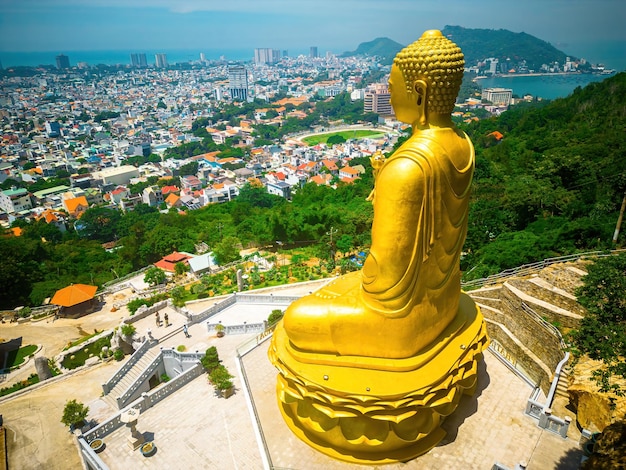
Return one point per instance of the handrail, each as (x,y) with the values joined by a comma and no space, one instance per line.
(534,267)
(555,381)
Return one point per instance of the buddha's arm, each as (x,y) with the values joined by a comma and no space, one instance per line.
(400,208)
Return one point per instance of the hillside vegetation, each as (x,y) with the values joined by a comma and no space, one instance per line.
(551,186)
(480,44)
(477,45)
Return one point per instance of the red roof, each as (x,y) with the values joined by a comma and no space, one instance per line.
(168,262)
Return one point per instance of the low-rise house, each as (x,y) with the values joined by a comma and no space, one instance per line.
(152,196)
(15,200)
(168,263)
(118,194)
(53,217)
(279,188)
(348,174)
(190,183)
(321,179)
(76,206)
(173,200)
(130,202)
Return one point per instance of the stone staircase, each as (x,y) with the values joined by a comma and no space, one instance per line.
(564,382)
(131,377)
(524,313)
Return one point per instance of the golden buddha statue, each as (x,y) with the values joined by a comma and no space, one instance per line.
(401,325)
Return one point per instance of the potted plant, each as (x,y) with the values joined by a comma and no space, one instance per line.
(74,414)
(221,380)
(97,445)
(148,449)
(219,328)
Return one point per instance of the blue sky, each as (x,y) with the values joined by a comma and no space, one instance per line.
(337,25)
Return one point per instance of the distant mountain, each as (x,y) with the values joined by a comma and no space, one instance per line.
(480,44)
(382,47)
(477,45)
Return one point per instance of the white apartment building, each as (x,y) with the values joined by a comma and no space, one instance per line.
(498,96)
(15,200)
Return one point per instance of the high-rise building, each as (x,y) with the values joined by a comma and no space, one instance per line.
(138,60)
(160,60)
(265,55)
(63,62)
(313,52)
(238,82)
(377,99)
(202,57)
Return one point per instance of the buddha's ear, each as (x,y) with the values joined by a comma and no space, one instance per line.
(421,92)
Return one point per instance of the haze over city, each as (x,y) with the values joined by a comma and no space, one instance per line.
(74,25)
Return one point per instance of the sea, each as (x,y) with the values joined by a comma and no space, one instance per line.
(610,53)
(547,87)
(122,57)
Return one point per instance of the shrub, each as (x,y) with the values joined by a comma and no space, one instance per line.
(165,378)
(275,316)
(221,378)
(128,329)
(32,379)
(118,354)
(211,359)
(181,348)
(74,413)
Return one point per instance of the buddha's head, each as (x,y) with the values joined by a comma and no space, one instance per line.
(426,77)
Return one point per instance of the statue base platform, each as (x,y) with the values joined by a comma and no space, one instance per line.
(374,410)
(134,442)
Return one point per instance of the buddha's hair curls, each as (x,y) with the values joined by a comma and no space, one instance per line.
(438,61)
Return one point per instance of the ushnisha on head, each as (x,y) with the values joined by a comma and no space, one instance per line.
(440,63)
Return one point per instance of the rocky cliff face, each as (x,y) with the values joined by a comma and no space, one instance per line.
(593,408)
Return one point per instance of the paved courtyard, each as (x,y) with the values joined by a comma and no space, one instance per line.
(194,429)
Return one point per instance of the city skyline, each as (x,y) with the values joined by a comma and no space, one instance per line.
(81,25)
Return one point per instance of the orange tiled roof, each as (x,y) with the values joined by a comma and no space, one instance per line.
(73,295)
(75,204)
(172,199)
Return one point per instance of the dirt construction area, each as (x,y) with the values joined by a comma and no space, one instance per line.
(32,418)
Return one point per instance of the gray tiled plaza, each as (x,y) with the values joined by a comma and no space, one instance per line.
(195,429)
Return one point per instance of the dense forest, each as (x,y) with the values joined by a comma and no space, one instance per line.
(477,45)
(552,185)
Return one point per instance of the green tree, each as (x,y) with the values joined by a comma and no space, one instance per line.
(210,360)
(181,268)
(154,276)
(99,223)
(335,139)
(227,250)
(602,332)
(74,413)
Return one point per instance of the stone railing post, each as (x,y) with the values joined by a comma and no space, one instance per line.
(563,430)
(544,418)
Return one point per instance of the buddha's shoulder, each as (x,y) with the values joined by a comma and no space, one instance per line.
(448,144)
